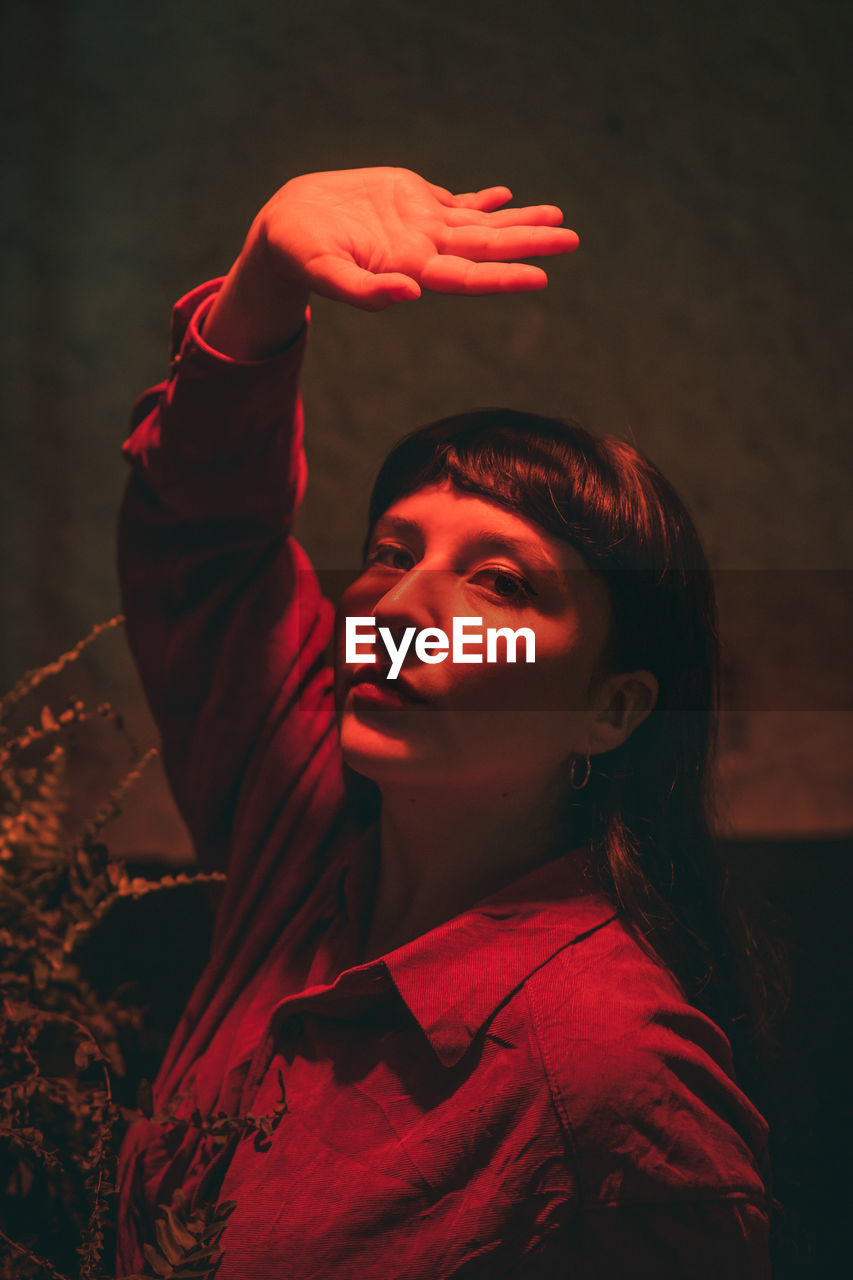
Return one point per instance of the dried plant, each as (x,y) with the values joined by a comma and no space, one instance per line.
(60,1039)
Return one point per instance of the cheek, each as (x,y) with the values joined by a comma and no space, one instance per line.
(354,603)
(347,607)
(558,684)
(557,679)
(357,601)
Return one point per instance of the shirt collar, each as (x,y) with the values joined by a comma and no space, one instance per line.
(456,975)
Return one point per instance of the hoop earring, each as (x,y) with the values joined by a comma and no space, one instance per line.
(573,782)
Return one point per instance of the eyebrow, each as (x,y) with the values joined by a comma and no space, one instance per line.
(495,539)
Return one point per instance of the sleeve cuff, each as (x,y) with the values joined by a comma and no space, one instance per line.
(187,341)
(217,418)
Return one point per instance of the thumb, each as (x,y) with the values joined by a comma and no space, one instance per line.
(344,281)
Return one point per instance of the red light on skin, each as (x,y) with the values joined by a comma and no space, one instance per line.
(371,682)
(437,555)
(433,645)
(384,695)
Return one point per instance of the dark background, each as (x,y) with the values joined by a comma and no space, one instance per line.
(701,151)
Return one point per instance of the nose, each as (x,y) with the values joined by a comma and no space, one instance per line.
(419,598)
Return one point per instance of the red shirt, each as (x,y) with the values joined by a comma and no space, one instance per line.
(519,1092)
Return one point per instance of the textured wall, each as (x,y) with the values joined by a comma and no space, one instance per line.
(701,152)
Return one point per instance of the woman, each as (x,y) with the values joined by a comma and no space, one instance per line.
(471,960)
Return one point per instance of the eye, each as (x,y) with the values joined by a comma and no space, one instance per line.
(390,554)
(507,585)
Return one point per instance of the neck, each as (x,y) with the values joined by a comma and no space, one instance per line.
(440,853)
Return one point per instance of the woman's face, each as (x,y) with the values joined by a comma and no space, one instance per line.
(439,554)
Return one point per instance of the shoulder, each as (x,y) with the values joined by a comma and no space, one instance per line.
(642,1082)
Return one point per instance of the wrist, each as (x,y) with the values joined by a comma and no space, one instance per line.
(261,306)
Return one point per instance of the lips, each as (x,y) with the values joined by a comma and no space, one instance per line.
(376,678)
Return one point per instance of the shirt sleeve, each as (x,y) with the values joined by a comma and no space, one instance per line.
(224,615)
(668,1155)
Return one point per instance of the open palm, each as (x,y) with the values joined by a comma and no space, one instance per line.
(372,237)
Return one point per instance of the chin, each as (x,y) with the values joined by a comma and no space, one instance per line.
(386,759)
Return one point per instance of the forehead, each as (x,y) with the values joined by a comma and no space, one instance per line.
(441,511)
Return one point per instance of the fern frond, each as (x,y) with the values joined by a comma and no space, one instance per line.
(32,679)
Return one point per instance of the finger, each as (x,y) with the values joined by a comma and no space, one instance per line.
(488,198)
(484,244)
(442,194)
(536,215)
(448,274)
(344,281)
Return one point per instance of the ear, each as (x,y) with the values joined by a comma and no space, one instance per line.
(625,700)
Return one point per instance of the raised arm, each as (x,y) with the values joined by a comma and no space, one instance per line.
(224,614)
(373,237)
